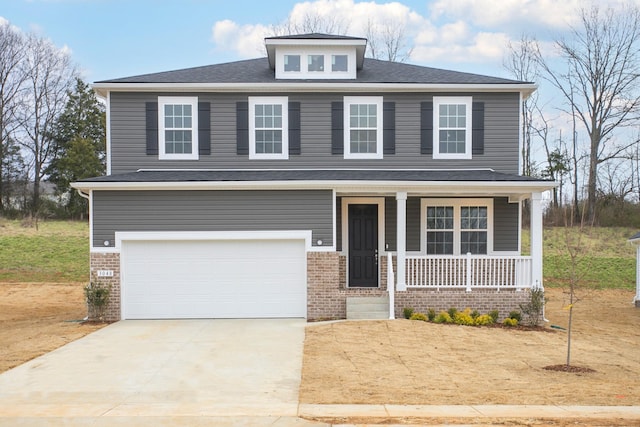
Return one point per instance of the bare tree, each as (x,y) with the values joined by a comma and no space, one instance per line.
(521,62)
(387,41)
(312,22)
(50,75)
(601,80)
(12,77)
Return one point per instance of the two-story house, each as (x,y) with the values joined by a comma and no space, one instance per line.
(285,186)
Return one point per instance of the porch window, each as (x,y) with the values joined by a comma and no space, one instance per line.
(457,226)
(268,133)
(363,127)
(452,127)
(178,124)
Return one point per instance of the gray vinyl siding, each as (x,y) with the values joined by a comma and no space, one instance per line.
(413,224)
(390,223)
(128,145)
(339,223)
(212,211)
(505,225)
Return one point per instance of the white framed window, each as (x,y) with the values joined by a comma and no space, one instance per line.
(452,127)
(457,226)
(363,127)
(315,63)
(269,127)
(178,127)
(291,63)
(339,63)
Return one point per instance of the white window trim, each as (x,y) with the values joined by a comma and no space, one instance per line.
(260,100)
(350,100)
(344,206)
(327,52)
(457,204)
(169,100)
(440,100)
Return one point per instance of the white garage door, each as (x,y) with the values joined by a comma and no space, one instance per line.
(213,279)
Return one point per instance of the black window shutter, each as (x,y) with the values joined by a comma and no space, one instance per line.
(426,128)
(152,128)
(337,127)
(204,128)
(294,128)
(477,128)
(242,128)
(389,128)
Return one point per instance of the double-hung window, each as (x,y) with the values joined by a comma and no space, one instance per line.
(363,127)
(268,128)
(178,128)
(452,127)
(457,226)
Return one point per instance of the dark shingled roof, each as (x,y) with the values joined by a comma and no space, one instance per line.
(483,175)
(258,71)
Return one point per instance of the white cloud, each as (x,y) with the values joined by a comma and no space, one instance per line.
(245,40)
(523,14)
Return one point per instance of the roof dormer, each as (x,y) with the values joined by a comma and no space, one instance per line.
(315,56)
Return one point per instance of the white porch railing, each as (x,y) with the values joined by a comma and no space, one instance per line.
(469,271)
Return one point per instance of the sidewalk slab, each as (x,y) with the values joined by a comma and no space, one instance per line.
(159,422)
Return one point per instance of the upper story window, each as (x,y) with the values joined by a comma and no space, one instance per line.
(457,226)
(363,127)
(291,63)
(452,127)
(339,63)
(268,128)
(332,62)
(178,128)
(315,63)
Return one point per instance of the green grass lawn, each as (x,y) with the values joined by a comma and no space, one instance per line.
(605,258)
(57,252)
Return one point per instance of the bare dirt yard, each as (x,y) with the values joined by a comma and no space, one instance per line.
(36,318)
(414,362)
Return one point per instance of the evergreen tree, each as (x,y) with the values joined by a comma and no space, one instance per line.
(80,136)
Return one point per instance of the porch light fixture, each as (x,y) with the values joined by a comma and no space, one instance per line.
(319,242)
(106,243)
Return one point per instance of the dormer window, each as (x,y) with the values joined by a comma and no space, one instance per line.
(315,56)
(291,63)
(316,63)
(339,63)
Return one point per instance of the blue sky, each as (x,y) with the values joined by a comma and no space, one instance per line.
(115,38)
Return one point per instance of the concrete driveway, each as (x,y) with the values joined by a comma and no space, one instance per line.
(164,368)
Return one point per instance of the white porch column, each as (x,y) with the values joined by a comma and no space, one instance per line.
(536,240)
(401,241)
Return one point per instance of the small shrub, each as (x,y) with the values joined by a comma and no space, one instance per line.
(97,295)
(443,317)
(418,316)
(483,320)
(495,314)
(407,312)
(463,318)
(510,322)
(534,308)
(515,314)
(431,314)
(475,314)
(452,312)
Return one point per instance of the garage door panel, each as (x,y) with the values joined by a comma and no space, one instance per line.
(226,279)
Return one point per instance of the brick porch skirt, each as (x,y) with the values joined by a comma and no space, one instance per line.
(327,292)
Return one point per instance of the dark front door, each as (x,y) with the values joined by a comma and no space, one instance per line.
(363,246)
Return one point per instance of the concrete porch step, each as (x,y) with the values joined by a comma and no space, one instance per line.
(368,307)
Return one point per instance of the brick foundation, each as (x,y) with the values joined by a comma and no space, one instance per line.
(327,292)
(108,261)
(421,300)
